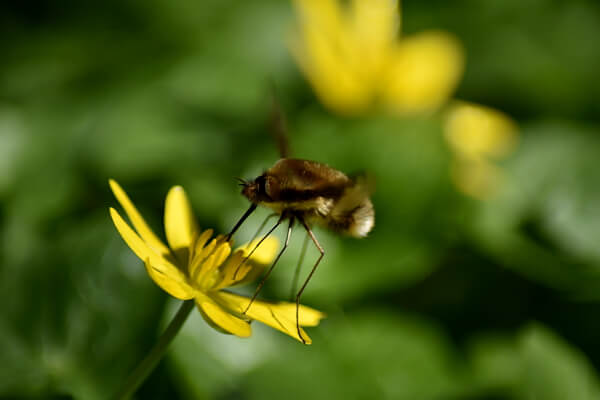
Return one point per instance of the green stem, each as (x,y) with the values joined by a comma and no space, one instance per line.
(141,372)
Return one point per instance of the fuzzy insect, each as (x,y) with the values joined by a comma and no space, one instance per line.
(311,193)
(316,194)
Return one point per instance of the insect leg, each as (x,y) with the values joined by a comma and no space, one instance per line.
(257,244)
(264,279)
(297,272)
(314,268)
(261,227)
(241,220)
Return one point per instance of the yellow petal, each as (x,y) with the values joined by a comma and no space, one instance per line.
(136,219)
(307,316)
(171,280)
(165,274)
(180,224)
(476,131)
(329,56)
(135,243)
(279,316)
(375,22)
(272,317)
(374,28)
(216,316)
(265,253)
(325,13)
(423,71)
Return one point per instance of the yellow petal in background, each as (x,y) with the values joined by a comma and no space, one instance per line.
(330,72)
(375,22)
(329,56)
(475,131)
(374,27)
(218,317)
(327,14)
(136,219)
(171,280)
(423,71)
(180,224)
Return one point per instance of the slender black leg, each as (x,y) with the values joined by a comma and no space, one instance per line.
(264,279)
(257,244)
(262,226)
(298,267)
(312,271)
(241,220)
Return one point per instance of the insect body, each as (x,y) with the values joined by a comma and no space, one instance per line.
(316,194)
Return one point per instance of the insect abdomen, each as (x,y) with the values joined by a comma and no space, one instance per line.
(356,222)
(353,213)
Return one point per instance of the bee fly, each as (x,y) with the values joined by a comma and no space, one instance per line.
(311,193)
(314,193)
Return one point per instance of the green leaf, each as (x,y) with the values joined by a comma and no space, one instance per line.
(536,364)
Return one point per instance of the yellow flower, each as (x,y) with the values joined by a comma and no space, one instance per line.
(478,136)
(352,57)
(194,266)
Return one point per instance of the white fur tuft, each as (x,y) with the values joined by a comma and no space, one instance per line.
(364,220)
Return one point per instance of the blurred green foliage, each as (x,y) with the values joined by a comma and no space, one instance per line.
(448,298)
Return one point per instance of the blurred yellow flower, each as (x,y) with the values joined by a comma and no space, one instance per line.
(352,57)
(194,266)
(478,136)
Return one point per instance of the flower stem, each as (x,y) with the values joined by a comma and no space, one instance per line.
(144,368)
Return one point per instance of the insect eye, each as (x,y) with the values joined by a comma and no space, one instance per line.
(261,184)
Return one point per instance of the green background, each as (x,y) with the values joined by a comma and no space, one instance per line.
(448,298)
